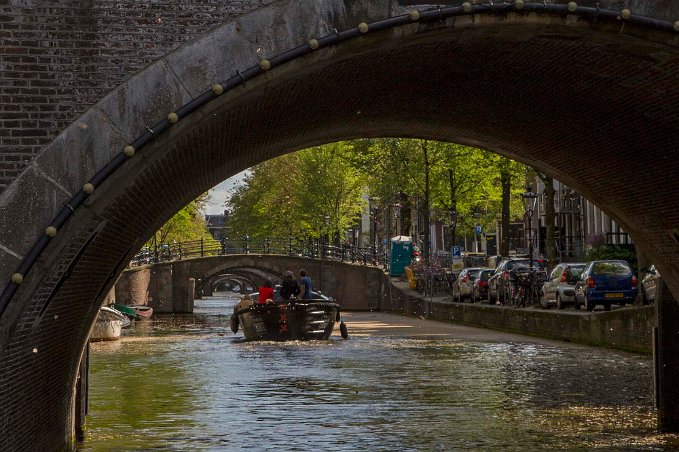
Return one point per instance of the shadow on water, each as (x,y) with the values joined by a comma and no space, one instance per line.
(187,383)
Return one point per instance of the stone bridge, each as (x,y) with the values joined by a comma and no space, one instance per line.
(116,114)
(170,286)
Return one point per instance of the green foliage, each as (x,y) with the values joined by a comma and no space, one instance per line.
(291,195)
(187,224)
(622,252)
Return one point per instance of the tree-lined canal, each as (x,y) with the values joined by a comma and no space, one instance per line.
(188,383)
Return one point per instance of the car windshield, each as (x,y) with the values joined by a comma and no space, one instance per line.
(574,271)
(511,265)
(485,275)
(611,269)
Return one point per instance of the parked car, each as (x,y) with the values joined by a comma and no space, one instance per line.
(462,286)
(649,284)
(498,284)
(559,289)
(480,286)
(606,282)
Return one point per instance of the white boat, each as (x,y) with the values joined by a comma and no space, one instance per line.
(108,325)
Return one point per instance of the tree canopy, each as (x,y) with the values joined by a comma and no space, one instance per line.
(294,195)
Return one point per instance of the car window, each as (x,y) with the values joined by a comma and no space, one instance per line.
(485,274)
(573,272)
(516,263)
(611,269)
(473,274)
(556,273)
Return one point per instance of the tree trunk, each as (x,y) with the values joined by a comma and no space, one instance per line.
(427,248)
(506,183)
(550,220)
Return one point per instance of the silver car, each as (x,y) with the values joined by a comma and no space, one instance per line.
(464,284)
(559,289)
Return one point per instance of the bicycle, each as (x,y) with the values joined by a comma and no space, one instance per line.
(526,286)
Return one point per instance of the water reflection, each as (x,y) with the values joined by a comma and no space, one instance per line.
(187,383)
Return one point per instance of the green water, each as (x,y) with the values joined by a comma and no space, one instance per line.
(188,383)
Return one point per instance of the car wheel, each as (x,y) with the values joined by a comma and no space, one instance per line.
(588,304)
(559,303)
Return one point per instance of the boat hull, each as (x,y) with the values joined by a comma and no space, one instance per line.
(106,330)
(295,321)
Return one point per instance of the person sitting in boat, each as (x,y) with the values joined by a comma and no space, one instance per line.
(244,302)
(305,285)
(289,287)
(266,292)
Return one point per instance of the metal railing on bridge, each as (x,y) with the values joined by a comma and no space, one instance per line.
(312,248)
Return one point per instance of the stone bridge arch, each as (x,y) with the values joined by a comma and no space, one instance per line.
(584,94)
(353,286)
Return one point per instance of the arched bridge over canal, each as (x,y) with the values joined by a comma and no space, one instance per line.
(170,286)
(585,92)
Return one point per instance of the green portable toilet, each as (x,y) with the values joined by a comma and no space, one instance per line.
(401,254)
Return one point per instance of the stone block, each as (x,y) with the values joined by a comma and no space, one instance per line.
(26,208)
(81,150)
(212,59)
(144,100)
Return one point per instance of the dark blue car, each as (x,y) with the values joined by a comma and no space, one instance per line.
(605,283)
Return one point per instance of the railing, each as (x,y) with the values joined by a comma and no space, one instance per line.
(313,248)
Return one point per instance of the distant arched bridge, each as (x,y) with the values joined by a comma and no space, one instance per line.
(169,286)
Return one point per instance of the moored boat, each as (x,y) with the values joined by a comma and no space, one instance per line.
(108,325)
(135,312)
(293,320)
(143,312)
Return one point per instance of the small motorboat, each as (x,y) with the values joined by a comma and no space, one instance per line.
(143,312)
(135,312)
(108,325)
(289,321)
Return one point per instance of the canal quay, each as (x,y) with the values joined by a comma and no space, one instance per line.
(186,382)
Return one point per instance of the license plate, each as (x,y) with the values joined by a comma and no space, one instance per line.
(613,295)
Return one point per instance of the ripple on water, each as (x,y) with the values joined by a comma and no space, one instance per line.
(180,385)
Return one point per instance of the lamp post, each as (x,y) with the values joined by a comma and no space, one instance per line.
(529,200)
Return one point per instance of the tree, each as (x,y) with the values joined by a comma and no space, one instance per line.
(290,196)
(187,224)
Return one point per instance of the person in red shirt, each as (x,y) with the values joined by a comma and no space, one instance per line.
(265,292)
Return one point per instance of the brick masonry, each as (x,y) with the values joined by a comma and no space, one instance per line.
(57,59)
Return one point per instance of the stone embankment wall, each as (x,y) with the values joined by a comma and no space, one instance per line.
(625,329)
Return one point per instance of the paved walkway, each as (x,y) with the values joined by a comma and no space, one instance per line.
(381,324)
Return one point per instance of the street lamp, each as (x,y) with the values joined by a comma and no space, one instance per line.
(529,200)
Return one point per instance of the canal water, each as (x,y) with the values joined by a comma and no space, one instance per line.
(188,383)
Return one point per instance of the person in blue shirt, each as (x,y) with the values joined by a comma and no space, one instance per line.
(305,284)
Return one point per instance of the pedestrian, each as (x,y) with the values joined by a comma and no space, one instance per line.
(266,292)
(289,287)
(305,284)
